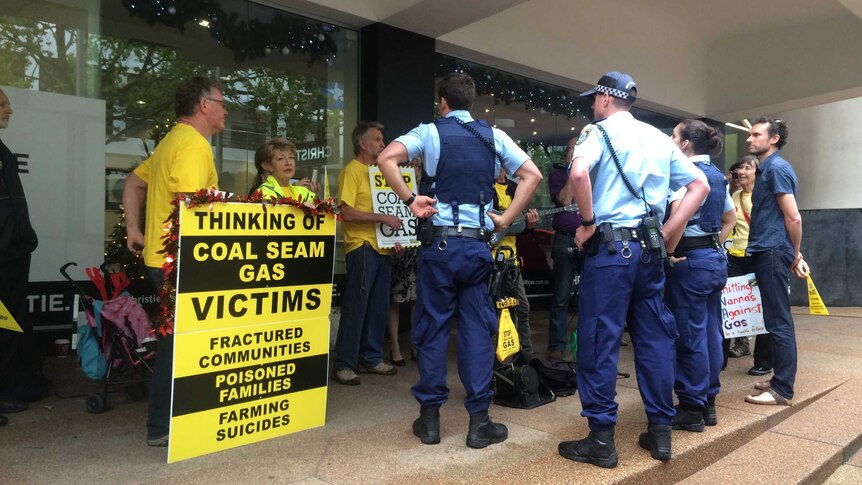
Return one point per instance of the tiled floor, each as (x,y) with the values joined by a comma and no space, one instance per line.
(367,437)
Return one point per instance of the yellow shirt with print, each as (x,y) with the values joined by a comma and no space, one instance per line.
(354,189)
(181,162)
(504,200)
(742,202)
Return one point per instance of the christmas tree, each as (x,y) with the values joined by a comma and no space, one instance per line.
(118,258)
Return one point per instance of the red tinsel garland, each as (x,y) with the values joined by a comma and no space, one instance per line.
(164,324)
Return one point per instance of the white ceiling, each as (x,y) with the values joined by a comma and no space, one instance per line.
(690,57)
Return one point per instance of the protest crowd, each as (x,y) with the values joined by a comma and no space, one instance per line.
(656,231)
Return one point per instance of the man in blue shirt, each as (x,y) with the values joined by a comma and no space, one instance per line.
(620,175)
(773,243)
(462,159)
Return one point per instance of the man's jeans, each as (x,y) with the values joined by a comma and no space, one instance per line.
(565,255)
(159,415)
(772,269)
(364,309)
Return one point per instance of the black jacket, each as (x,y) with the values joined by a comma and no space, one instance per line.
(17,237)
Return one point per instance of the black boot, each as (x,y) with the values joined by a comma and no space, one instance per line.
(484,432)
(689,419)
(427,425)
(597,448)
(657,441)
(710,416)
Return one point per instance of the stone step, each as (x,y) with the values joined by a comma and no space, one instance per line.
(805,447)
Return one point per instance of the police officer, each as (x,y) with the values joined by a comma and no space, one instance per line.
(632,165)
(695,280)
(463,157)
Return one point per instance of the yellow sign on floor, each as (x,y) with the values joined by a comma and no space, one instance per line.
(815,303)
(251,328)
(7,321)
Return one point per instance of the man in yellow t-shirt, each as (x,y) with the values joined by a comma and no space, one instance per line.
(504,190)
(365,304)
(182,163)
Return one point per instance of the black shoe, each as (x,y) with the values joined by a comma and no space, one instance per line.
(9,407)
(3,420)
(427,425)
(484,432)
(688,420)
(657,441)
(710,416)
(597,448)
(759,370)
(398,362)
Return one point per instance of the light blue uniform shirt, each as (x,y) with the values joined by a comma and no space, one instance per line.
(424,141)
(650,160)
(695,230)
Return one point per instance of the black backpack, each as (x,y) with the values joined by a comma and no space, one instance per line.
(559,376)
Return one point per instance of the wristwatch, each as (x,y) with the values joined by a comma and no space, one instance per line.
(589,222)
(410,200)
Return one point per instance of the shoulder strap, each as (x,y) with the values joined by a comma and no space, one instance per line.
(617,162)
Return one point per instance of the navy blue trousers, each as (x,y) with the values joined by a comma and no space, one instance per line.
(772,269)
(450,279)
(614,291)
(364,309)
(161,385)
(693,295)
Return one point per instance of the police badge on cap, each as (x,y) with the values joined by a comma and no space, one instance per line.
(617,84)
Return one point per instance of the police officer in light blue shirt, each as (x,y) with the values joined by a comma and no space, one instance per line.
(695,280)
(620,174)
(462,159)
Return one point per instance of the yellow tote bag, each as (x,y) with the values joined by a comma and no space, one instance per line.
(508,343)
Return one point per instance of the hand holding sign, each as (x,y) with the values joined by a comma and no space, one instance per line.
(801,269)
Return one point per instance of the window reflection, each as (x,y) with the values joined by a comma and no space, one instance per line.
(283,75)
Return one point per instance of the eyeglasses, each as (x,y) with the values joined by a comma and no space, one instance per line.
(219,101)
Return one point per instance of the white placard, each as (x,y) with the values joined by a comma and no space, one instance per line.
(741,308)
(386,201)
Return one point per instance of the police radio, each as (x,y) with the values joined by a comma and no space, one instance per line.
(650,233)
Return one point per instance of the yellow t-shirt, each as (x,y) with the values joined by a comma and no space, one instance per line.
(182,162)
(503,202)
(742,202)
(354,189)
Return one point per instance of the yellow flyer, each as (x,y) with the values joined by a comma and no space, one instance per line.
(7,321)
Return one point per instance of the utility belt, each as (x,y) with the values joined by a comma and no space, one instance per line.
(458,231)
(697,242)
(426,232)
(647,234)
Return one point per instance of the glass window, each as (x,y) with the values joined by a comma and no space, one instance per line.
(283,75)
(117,64)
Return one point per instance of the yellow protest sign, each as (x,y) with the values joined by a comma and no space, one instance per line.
(7,321)
(508,342)
(251,343)
(815,303)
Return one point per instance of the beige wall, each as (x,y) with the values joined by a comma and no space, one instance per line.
(784,69)
(825,149)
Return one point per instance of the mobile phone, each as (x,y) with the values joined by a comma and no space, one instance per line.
(314,176)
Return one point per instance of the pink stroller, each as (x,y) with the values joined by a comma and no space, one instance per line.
(115,344)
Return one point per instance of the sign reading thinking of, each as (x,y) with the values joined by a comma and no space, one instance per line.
(254,289)
(386,201)
(741,309)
